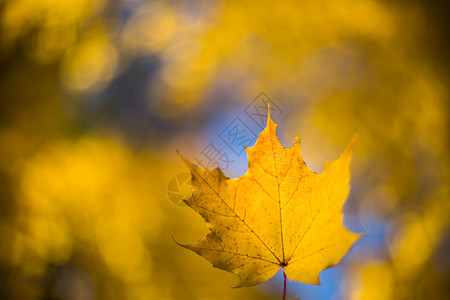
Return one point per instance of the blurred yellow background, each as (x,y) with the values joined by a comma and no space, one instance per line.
(96,96)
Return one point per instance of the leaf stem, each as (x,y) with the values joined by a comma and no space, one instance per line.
(284,285)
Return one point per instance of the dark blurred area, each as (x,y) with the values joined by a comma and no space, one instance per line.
(96,96)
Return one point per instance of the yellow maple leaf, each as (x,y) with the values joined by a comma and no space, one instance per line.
(280,214)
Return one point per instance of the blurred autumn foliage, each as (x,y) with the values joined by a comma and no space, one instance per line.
(97,95)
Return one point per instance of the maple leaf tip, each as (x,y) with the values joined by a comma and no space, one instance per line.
(352,143)
(269,117)
(186,162)
(181,157)
(346,155)
(297,140)
(173,239)
(186,246)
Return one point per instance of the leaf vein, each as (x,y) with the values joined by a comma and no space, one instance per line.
(234,253)
(242,220)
